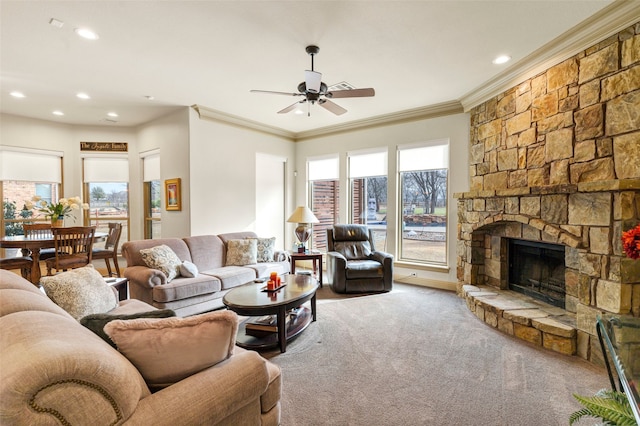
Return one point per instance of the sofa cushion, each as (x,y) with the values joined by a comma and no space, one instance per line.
(207,251)
(168,350)
(265,247)
(364,269)
(232,276)
(188,269)
(353,250)
(242,252)
(184,288)
(80,292)
(96,322)
(163,259)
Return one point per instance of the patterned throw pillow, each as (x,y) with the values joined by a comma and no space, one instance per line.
(265,249)
(80,292)
(242,252)
(163,259)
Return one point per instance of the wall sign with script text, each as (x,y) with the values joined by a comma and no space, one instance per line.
(104,146)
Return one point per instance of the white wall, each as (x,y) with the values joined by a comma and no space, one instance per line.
(223,175)
(453,127)
(169,134)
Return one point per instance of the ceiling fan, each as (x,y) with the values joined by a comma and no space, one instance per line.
(315,91)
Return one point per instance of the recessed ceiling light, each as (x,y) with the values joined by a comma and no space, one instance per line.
(502,59)
(17,94)
(149,97)
(86,33)
(59,113)
(82,95)
(112,114)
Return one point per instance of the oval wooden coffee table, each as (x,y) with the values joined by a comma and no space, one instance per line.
(250,300)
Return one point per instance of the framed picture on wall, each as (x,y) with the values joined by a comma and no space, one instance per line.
(172,195)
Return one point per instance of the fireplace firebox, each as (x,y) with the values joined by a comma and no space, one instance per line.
(537,270)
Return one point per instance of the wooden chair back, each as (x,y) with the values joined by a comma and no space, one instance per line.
(113,238)
(73,246)
(37,229)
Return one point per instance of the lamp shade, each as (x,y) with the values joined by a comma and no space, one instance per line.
(303,214)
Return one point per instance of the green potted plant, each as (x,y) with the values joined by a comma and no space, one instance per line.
(612,407)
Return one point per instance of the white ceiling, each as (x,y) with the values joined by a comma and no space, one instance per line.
(211,53)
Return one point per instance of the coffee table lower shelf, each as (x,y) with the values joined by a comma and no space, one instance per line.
(270,340)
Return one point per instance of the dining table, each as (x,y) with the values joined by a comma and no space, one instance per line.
(31,246)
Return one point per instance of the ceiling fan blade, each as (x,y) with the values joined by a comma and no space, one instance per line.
(291,107)
(312,81)
(353,93)
(275,93)
(333,107)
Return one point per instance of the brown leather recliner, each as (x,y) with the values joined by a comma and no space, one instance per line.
(353,264)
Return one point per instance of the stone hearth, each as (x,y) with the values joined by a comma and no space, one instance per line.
(557,159)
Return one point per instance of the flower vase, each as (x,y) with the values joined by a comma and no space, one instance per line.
(57,222)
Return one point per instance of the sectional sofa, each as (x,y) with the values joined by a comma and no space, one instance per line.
(55,371)
(215,276)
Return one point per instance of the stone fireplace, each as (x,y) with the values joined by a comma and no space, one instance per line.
(556,160)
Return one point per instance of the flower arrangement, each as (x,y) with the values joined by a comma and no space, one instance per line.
(57,211)
(631,242)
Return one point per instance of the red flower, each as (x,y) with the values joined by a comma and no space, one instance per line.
(631,242)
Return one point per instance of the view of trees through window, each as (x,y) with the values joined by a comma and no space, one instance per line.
(153,209)
(108,202)
(14,196)
(424,215)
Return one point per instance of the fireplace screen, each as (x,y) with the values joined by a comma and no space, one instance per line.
(537,270)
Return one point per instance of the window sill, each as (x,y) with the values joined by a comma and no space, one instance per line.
(421,266)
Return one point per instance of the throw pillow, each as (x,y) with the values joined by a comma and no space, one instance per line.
(163,259)
(188,269)
(80,292)
(96,322)
(265,249)
(242,252)
(168,350)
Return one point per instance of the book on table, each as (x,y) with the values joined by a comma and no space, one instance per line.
(264,324)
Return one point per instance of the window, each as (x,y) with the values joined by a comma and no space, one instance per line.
(324,194)
(423,202)
(368,193)
(25,173)
(106,190)
(152,195)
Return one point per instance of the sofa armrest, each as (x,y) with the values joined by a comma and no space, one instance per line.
(207,397)
(142,280)
(386,260)
(336,267)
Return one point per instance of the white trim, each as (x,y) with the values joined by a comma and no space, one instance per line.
(155,151)
(32,150)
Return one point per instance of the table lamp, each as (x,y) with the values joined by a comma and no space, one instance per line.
(304,217)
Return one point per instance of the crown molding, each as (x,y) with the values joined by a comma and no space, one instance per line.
(223,117)
(431,111)
(610,20)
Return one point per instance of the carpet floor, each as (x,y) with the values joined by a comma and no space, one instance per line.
(418,356)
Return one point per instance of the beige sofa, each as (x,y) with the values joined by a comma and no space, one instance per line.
(204,292)
(55,371)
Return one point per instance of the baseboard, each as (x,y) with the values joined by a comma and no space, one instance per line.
(426,282)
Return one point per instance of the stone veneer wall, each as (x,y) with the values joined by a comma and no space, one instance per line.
(557,159)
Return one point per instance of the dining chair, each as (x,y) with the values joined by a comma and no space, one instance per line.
(110,250)
(73,248)
(23,263)
(35,230)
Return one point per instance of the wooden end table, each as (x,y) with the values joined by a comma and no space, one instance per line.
(121,285)
(314,256)
(250,300)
